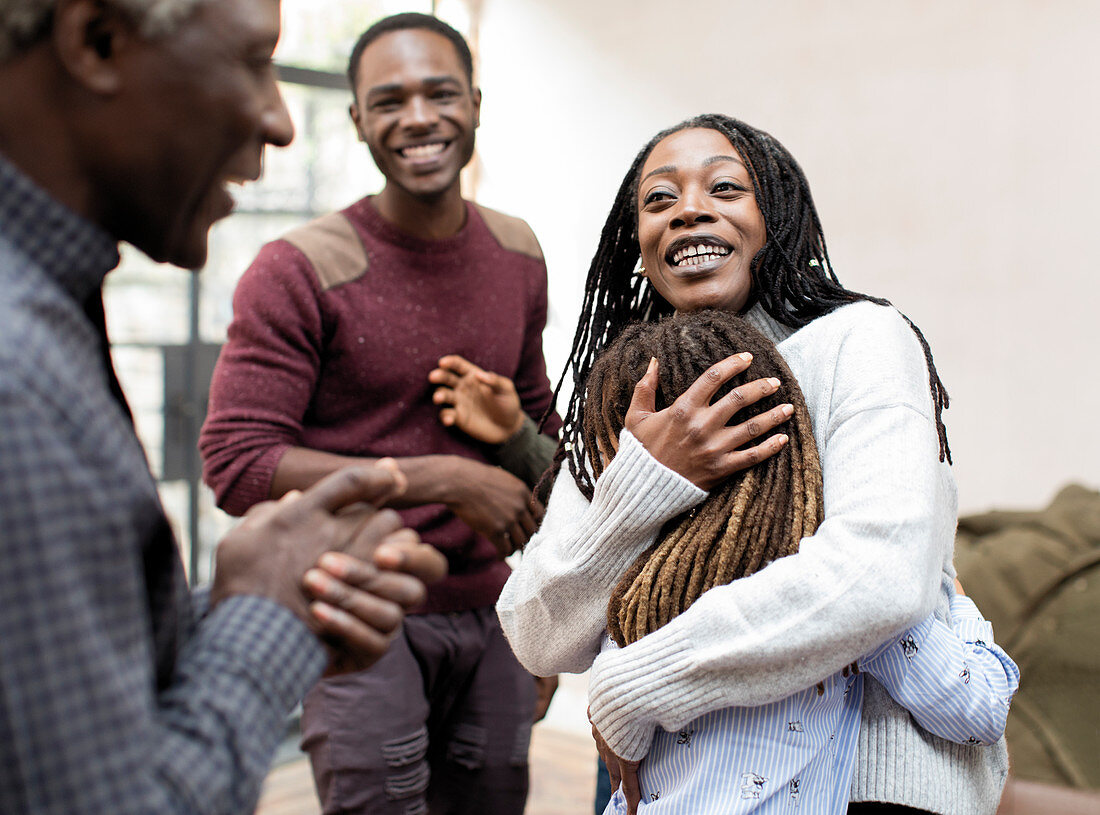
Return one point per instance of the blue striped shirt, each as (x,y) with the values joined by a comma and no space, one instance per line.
(797,755)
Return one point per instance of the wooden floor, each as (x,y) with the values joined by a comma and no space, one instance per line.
(563,778)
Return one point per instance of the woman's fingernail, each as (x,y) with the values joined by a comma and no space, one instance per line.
(746,356)
(786,410)
(773,382)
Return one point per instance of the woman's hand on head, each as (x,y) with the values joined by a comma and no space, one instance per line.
(691,436)
(480,403)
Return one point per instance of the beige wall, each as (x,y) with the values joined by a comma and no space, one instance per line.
(954,153)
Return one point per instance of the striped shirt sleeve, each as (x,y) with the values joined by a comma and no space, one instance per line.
(954,679)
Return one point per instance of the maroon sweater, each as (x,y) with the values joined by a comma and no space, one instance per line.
(335,328)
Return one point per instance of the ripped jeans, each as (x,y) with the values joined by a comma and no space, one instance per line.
(439,726)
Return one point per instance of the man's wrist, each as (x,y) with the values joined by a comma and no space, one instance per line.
(521,420)
(432,479)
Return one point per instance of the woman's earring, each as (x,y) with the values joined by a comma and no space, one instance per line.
(639,269)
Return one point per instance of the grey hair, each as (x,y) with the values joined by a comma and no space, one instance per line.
(25,22)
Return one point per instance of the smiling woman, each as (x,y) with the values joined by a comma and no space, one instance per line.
(698,222)
(715,181)
(722,218)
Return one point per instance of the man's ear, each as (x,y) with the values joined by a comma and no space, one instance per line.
(477,107)
(87,37)
(353,112)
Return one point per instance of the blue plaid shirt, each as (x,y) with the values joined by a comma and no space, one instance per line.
(114,698)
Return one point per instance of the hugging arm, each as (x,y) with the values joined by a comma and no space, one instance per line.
(955,680)
(553,609)
(870,571)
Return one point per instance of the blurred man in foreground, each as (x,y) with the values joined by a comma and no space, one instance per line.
(126,120)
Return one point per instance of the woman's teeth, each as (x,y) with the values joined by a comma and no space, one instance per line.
(698,255)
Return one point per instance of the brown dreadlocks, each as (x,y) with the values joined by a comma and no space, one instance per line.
(754,517)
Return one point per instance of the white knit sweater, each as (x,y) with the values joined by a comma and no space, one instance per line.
(879,563)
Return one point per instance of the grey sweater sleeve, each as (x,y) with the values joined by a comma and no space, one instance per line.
(862,577)
(553,609)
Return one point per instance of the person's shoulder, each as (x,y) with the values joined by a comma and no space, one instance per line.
(512,233)
(330,247)
(34,312)
(41,359)
(861,319)
(865,329)
(870,351)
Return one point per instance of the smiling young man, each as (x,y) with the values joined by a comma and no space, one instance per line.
(126,120)
(336,329)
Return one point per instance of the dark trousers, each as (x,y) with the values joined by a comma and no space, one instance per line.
(440,725)
(872,808)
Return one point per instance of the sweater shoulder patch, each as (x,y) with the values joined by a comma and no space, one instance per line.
(332,247)
(512,233)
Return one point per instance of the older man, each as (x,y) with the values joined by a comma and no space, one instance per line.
(126,120)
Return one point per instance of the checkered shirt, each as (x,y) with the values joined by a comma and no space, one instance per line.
(114,697)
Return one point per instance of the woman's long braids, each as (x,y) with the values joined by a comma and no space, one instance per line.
(750,519)
(792,278)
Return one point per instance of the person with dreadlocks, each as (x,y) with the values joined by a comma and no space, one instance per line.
(721,216)
(957,683)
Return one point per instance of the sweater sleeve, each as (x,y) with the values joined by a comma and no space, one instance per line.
(954,679)
(531,381)
(553,609)
(264,378)
(527,454)
(871,569)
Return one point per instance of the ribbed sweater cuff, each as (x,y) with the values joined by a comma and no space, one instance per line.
(526,454)
(634,496)
(254,484)
(655,681)
(899,763)
(900,766)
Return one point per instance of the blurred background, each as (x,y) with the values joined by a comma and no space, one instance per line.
(952,148)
